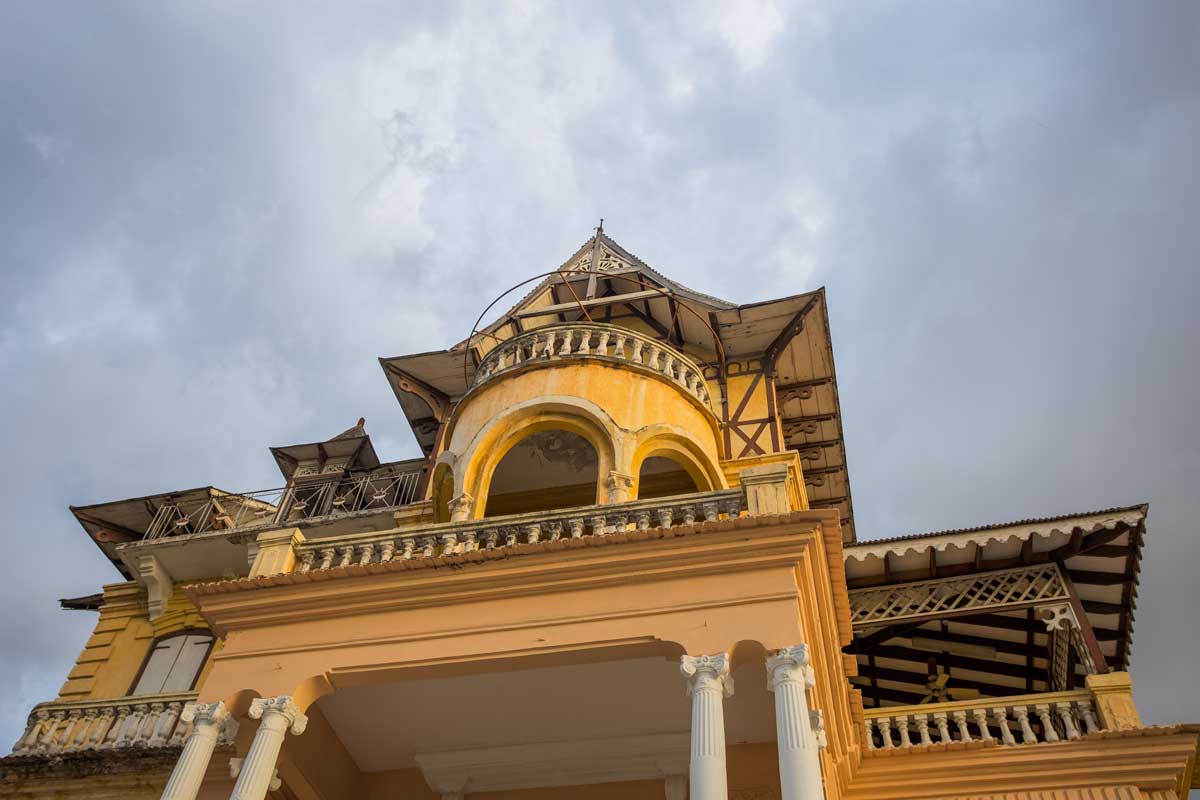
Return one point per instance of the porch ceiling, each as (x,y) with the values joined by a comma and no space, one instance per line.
(384,727)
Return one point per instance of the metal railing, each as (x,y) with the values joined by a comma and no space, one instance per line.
(76,725)
(488,534)
(554,343)
(376,490)
(1026,719)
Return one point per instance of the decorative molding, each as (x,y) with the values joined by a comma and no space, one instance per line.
(705,672)
(284,706)
(1021,587)
(158,583)
(564,763)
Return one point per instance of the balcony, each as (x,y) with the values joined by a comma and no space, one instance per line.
(144,721)
(1025,719)
(489,534)
(557,343)
(377,490)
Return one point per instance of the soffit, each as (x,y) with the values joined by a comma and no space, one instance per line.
(385,727)
(1099,551)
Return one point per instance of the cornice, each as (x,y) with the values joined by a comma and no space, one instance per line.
(706,548)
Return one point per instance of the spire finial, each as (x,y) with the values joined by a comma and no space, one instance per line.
(600,227)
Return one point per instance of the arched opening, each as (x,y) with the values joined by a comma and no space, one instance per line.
(547,469)
(661,476)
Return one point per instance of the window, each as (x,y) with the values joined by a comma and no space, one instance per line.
(174,663)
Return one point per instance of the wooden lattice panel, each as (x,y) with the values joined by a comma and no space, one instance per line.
(943,597)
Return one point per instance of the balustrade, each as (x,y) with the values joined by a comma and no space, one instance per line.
(579,340)
(508,531)
(74,726)
(1028,719)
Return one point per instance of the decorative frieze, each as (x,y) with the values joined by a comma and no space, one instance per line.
(1021,587)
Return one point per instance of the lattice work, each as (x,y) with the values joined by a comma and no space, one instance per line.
(942,597)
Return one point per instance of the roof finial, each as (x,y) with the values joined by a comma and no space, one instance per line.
(600,228)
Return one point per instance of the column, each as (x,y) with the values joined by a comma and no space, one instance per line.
(209,721)
(789,676)
(709,684)
(278,715)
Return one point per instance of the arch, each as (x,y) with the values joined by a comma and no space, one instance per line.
(665,441)
(545,469)
(477,463)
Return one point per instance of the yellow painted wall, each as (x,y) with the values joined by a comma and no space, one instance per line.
(117,648)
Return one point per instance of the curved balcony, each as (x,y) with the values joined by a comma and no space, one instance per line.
(556,343)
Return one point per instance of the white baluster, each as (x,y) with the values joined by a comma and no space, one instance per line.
(1027,734)
(643,519)
(532,533)
(327,557)
(576,525)
(902,727)
(943,726)
(960,721)
(565,350)
(923,728)
(665,517)
(602,344)
(885,732)
(870,725)
(1000,715)
(636,357)
(365,553)
(1068,720)
(387,551)
(585,339)
(1088,715)
(619,347)
(980,715)
(1043,712)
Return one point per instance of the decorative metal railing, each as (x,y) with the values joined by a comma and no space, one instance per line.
(376,490)
(67,727)
(1009,588)
(489,534)
(554,343)
(1028,719)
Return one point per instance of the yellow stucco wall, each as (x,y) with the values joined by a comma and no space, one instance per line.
(117,648)
(625,414)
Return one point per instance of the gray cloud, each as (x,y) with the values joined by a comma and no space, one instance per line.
(212,220)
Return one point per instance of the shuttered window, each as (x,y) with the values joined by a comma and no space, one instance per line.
(173,664)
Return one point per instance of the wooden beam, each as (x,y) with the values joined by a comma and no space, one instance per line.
(789,332)
(920,679)
(952,660)
(1085,625)
(616,299)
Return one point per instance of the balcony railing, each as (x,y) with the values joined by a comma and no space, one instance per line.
(376,490)
(507,531)
(555,343)
(86,725)
(1027,719)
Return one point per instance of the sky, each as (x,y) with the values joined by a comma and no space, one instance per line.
(214,217)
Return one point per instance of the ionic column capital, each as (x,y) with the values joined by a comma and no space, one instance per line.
(281,708)
(707,672)
(791,664)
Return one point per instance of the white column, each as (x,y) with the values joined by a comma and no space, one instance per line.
(278,715)
(709,684)
(209,722)
(789,677)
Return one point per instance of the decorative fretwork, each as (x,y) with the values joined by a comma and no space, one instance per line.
(382,488)
(541,526)
(74,726)
(943,597)
(554,343)
(1028,719)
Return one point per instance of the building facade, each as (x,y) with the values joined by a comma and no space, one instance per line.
(625,567)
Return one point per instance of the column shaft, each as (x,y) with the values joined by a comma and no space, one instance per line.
(207,723)
(709,683)
(799,751)
(258,769)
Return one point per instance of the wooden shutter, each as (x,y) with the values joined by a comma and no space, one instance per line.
(173,664)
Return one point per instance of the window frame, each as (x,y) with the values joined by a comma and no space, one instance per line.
(212,640)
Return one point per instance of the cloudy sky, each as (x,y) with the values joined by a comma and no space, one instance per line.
(215,216)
